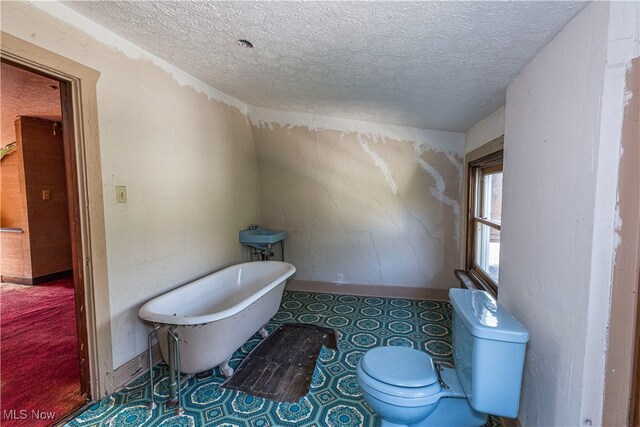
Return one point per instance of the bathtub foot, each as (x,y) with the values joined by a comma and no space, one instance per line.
(174,405)
(226,370)
(204,374)
(185,378)
(263,332)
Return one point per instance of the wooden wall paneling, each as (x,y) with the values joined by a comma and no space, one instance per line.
(11,195)
(15,246)
(44,169)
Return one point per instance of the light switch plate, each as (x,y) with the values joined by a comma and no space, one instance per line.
(121,194)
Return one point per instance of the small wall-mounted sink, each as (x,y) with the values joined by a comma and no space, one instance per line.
(261,237)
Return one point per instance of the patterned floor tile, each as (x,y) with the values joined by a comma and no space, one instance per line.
(334,399)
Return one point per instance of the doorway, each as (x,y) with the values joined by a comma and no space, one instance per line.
(42,322)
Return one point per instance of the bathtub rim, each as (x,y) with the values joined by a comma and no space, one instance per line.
(166,319)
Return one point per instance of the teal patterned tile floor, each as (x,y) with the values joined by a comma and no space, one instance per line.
(334,398)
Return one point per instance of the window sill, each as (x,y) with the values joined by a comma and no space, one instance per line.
(469,281)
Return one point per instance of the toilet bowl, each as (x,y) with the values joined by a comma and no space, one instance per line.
(406,389)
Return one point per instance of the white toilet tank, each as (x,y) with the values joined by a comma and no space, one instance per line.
(488,349)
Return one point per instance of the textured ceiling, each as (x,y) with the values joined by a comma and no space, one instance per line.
(437,65)
(26,94)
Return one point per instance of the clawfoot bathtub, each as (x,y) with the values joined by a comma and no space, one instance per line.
(214,315)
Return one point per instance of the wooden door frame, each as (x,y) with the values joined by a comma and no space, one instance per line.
(73,199)
(634,410)
(631,133)
(622,381)
(78,88)
(70,165)
(634,398)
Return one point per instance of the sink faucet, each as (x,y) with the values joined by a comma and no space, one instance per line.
(252,226)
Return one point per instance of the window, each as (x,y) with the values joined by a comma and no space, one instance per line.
(484,221)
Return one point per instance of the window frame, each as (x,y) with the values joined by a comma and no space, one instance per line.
(491,162)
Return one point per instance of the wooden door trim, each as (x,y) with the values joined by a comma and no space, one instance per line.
(634,410)
(88,215)
(622,382)
(71,165)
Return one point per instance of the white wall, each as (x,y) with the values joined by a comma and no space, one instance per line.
(484,131)
(553,182)
(364,203)
(183,149)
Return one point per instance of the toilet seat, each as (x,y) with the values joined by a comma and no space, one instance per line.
(400,366)
(401,375)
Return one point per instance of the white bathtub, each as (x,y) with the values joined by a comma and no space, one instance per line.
(219,312)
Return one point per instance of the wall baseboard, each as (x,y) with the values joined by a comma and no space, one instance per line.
(134,368)
(405,292)
(32,281)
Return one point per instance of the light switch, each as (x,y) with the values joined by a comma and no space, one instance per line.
(46,194)
(121,194)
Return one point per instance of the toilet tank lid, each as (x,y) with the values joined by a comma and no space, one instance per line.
(485,318)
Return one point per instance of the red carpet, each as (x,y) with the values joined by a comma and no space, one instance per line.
(39,372)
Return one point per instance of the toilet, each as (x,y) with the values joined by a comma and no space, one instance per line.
(407,389)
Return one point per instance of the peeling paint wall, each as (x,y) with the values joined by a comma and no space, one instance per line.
(554,175)
(183,149)
(484,131)
(364,203)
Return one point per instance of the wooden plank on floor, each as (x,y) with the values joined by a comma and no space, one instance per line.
(281,367)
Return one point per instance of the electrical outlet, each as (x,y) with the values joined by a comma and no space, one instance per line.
(121,194)
(46,194)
